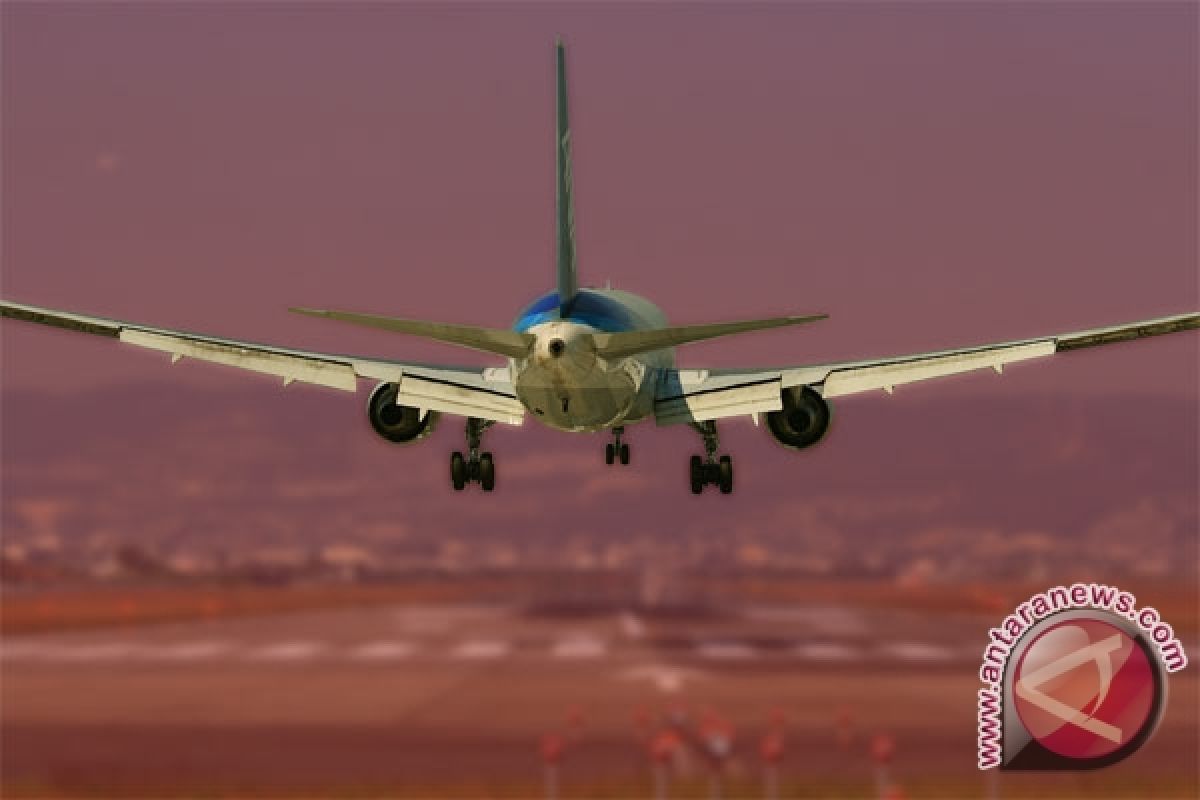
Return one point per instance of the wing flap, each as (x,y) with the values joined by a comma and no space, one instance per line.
(336,375)
(840,382)
(439,394)
(695,397)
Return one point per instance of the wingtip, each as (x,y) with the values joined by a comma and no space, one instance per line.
(308,312)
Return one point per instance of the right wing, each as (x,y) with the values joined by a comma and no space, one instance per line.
(701,395)
(465,391)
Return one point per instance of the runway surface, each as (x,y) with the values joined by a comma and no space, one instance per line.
(454,700)
(806,636)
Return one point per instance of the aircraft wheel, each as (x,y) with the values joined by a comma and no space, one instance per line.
(487,472)
(624,454)
(609,453)
(458,471)
(725,479)
(697,470)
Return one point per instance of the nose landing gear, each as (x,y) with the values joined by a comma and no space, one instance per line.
(477,467)
(710,469)
(616,448)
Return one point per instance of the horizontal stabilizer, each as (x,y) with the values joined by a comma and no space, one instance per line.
(489,340)
(627,343)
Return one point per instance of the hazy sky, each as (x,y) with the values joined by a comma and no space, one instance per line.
(929,174)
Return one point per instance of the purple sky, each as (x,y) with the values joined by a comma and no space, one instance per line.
(930,175)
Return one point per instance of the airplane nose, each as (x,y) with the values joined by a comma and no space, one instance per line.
(556,347)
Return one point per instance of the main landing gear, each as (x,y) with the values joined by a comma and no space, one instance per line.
(477,467)
(710,469)
(616,449)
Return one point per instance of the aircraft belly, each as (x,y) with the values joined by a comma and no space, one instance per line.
(600,400)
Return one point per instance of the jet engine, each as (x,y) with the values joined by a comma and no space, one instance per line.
(803,419)
(400,424)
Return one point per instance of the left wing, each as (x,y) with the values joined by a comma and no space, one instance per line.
(700,395)
(466,391)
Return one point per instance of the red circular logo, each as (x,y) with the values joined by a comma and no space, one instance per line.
(1084,688)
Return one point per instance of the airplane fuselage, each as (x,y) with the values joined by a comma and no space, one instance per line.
(563,382)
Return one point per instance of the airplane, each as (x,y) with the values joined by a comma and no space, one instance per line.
(588,360)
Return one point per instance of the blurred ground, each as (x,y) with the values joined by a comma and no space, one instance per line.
(420,699)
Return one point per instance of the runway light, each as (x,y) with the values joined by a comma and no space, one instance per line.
(717,735)
(770,747)
(661,749)
(770,750)
(883,747)
(663,746)
(552,748)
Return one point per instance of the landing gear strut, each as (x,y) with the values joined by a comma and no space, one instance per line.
(710,469)
(477,467)
(616,449)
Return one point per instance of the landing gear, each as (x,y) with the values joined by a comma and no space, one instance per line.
(458,471)
(616,449)
(487,472)
(710,469)
(476,467)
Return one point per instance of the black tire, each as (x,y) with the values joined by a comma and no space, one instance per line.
(458,471)
(624,454)
(725,479)
(487,472)
(609,453)
(697,475)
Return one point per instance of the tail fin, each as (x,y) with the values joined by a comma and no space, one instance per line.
(568,282)
(627,343)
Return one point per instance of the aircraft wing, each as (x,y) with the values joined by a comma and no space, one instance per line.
(465,391)
(686,396)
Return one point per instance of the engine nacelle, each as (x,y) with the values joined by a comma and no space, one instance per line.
(803,419)
(400,424)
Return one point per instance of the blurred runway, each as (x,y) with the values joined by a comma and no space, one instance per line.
(454,700)
(476,634)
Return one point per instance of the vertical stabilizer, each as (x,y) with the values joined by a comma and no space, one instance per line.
(568,282)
